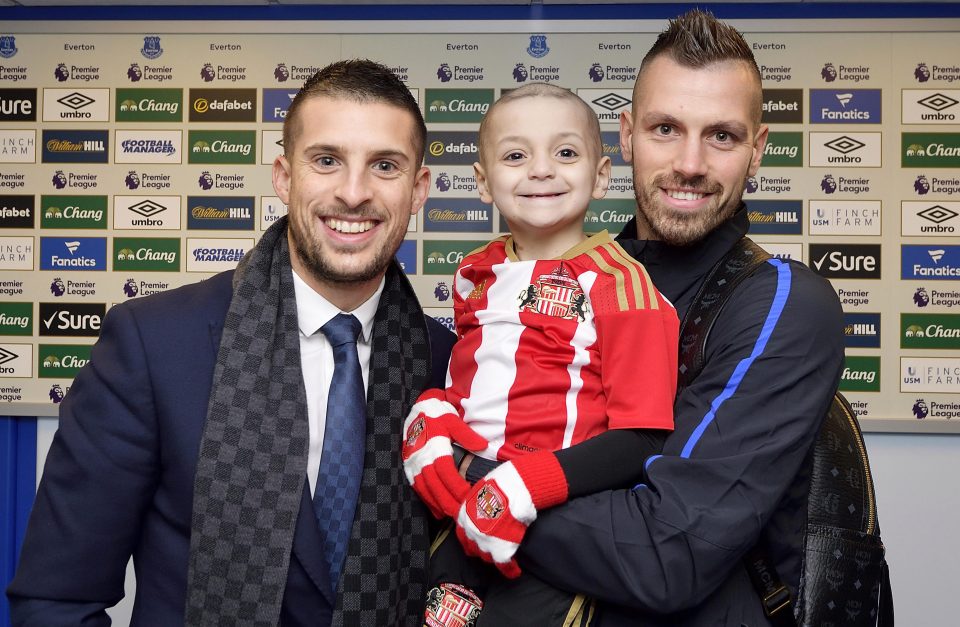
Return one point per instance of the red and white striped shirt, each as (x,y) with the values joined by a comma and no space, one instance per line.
(553,352)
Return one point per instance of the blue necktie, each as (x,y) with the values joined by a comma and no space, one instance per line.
(341,460)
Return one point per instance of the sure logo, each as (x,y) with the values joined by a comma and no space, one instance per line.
(846,261)
(71,319)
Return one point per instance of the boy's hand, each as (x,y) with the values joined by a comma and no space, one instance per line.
(428,452)
(495,515)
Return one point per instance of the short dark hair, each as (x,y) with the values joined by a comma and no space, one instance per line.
(362,81)
(544,90)
(698,39)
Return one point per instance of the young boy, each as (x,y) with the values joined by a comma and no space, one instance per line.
(564,368)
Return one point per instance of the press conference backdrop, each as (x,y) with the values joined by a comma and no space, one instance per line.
(135,157)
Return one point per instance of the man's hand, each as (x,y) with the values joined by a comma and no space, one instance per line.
(495,514)
(428,452)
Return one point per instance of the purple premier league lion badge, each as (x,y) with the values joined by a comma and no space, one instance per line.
(556,294)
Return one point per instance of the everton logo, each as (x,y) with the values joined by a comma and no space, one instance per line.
(8,46)
(151,47)
(490,502)
(538,46)
(556,294)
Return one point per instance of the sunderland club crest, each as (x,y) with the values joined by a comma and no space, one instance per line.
(490,503)
(538,46)
(556,294)
(151,47)
(451,605)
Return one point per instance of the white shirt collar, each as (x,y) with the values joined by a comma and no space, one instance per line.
(314,311)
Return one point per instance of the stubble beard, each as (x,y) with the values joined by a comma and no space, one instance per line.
(681,228)
(337,267)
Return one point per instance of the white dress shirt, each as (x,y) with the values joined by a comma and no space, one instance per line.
(316,358)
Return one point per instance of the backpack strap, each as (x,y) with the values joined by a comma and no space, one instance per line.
(722,279)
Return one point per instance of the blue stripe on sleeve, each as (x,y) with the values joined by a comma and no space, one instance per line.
(776,308)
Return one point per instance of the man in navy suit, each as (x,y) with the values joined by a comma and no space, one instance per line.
(124,476)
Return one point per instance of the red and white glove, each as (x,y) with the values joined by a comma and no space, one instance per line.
(495,514)
(428,452)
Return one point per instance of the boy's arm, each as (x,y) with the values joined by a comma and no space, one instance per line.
(613,459)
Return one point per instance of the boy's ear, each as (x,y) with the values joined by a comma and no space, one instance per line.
(603,178)
(482,187)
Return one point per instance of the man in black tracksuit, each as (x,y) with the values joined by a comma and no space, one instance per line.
(736,469)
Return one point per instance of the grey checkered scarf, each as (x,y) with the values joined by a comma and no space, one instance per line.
(253,459)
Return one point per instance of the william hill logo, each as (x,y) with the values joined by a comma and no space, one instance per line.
(220,213)
(75,146)
(457,215)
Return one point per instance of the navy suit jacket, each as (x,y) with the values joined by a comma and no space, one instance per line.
(118,479)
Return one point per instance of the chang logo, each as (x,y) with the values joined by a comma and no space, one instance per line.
(751,185)
(828,184)
(281,73)
(125,254)
(828,73)
(205,181)
(134,73)
(444,73)
(921,73)
(443,182)
(914,330)
(921,185)
(207,73)
(920,409)
(61,73)
(56,393)
(130,288)
(442,291)
(595,73)
(59,179)
(520,73)
(921,298)
(916,150)
(53,213)
(57,288)
(51,361)
(132,180)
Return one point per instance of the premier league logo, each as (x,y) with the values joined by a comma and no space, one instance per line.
(56,393)
(441,292)
(828,184)
(151,47)
(61,73)
(596,72)
(59,179)
(538,46)
(921,73)
(828,73)
(520,73)
(130,288)
(442,182)
(921,298)
(132,181)
(281,73)
(207,73)
(205,181)
(134,73)
(444,73)
(8,46)
(751,186)
(921,185)
(920,409)
(57,288)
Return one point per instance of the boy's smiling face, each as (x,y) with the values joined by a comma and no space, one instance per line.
(541,165)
